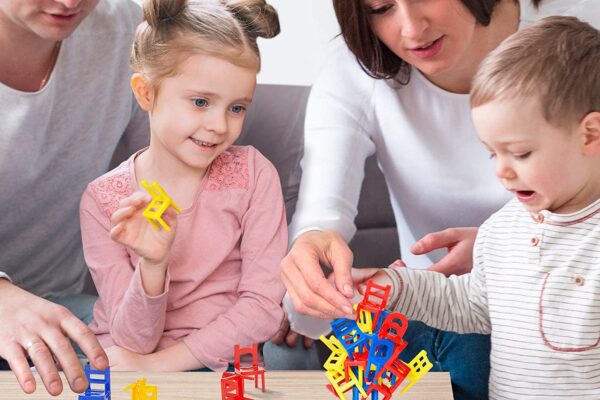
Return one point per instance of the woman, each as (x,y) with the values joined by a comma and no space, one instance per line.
(401,92)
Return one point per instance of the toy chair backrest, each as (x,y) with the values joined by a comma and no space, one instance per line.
(376,295)
(393,327)
(239,361)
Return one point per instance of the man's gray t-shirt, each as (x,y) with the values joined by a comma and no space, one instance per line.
(55,141)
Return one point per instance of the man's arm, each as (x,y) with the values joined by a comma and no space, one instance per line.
(39,329)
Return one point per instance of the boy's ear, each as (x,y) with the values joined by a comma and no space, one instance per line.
(590,129)
(142,90)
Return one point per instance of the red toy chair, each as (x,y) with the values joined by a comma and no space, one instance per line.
(249,371)
(232,387)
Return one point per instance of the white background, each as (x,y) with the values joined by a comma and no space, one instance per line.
(295,55)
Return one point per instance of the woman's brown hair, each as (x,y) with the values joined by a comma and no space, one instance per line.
(374,57)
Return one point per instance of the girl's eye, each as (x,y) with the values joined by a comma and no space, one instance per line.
(378,10)
(237,109)
(200,102)
(492,155)
(523,156)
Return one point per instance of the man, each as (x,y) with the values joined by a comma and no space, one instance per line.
(65,104)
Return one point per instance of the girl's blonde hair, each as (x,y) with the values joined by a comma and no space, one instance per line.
(173,30)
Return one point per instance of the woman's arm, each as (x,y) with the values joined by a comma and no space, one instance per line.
(339,120)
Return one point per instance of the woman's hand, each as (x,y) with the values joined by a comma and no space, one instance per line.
(131,229)
(310,292)
(458,241)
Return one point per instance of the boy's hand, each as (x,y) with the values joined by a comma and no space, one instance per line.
(458,241)
(131,229)
(360,276)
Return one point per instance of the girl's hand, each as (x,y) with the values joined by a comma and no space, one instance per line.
(121,359)
(131,229)
(458,241)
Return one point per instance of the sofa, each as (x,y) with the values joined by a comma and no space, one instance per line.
(274,125)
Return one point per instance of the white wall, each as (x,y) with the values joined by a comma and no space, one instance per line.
(294,56)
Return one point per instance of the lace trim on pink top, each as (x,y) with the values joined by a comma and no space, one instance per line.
(228,171)
(110,189)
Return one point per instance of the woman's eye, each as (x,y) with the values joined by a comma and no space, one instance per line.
(492,155)
(237,109)
(200,102)
(378,10)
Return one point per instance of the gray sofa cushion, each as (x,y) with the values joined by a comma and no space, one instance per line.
(275,125)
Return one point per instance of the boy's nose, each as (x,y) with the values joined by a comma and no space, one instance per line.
(504,171)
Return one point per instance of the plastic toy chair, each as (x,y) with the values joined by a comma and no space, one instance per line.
(232,387)
(350,335)
(159,204)
(99,384)
(374,301)
(339,383)
(419,366)
(393,329)
(251,371)
(141,391)
(338,355)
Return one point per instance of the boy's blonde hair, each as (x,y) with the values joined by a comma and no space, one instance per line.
(173,30)
(555,61)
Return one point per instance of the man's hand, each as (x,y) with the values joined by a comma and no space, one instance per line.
(310,291)
(458,241)
(34,327)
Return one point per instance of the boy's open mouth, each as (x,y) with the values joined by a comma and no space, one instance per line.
(525,195)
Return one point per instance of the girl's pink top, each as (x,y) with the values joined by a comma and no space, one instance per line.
(223,285)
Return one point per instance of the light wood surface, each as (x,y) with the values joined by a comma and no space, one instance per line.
(288,385)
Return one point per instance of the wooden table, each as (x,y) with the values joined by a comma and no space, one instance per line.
(288,385)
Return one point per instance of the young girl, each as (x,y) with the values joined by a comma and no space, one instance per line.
(181,299)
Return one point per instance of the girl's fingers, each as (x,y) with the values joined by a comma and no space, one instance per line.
(137,200)
(170,217)
(117,231)
(122,214)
